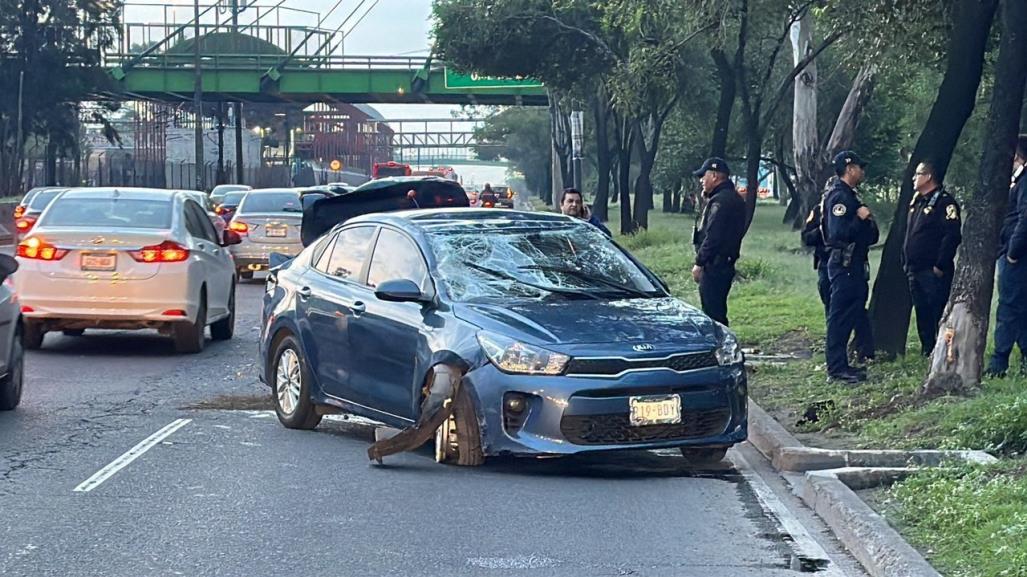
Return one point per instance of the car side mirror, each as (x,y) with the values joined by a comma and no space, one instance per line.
(230,237)
(401,291)
(8,264)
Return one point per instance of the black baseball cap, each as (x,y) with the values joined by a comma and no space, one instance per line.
(844,159)
(713,163)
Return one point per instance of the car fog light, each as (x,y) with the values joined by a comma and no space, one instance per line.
(516,409)
(515,403)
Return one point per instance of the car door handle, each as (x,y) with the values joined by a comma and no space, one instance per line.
(304,292)
(358,308)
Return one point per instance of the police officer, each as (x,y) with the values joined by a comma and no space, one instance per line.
(933,232)
(717,238)
(849,231)
(1011,317)
(813,236)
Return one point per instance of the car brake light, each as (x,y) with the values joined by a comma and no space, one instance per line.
(19,211)
(27,309)
(174,313)
(24,224)
(239,226)
(167,251)
(218,209)
(36,249)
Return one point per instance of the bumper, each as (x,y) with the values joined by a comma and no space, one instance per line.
(75,303)
(253,256)
(568,415)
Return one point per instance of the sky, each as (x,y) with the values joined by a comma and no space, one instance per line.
(390,27)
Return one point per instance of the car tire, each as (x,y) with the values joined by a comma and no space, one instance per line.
(74,332)
(190,337)
(245,274)
(10,385)
(32,338)
(224,329)
(290,390)
(458,440)
(704,456)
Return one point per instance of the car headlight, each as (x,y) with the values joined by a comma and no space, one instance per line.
(511,356)
(729,352)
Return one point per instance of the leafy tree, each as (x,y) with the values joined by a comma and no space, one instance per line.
(520,135)
(43,40)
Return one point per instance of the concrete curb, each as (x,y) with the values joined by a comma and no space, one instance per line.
(867,535)
(788,454)
(828,485)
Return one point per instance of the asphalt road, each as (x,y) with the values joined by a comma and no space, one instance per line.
(225,490)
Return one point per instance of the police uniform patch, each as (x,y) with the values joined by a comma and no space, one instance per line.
(839,210)
(951,212)
(928,210)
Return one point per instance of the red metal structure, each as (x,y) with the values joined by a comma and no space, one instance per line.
(390,168)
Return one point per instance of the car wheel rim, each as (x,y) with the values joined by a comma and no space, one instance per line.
(446,440)
(288,381)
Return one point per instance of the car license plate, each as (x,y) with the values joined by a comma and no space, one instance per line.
(279,232)
(662,410)
(99,262)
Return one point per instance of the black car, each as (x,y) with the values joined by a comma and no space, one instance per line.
(11,349)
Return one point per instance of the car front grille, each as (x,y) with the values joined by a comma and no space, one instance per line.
(614,366)
(616,429)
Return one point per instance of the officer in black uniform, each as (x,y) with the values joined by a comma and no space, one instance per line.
(849,230)
(1011,316)
(933,232)
(813,237)
(717,238)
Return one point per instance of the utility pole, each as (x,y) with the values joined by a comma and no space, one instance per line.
(577,138)
(237,107)
(198,97)
(19,148)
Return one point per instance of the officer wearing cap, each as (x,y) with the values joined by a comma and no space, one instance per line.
(717,237)
(813,237)
(933,232)
(849,230)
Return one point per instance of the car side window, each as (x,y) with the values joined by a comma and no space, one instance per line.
(396,257)
(349,252)
(323,252)
(197,223)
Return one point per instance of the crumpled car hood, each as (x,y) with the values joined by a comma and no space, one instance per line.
(655,321)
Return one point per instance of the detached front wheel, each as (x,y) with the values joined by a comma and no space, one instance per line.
(458,440)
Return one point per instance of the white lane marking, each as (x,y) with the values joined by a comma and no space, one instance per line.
(803,544)
(131,455)
(518,562)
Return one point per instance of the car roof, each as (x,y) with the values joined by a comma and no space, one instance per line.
(275,190)
(122,192)
(434,217)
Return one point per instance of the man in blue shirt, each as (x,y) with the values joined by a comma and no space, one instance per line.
(572,204)
(1011,317)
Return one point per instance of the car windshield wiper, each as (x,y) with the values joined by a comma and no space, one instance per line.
(585,276)
(549,289)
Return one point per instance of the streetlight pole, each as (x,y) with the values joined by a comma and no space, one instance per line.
(198,97)
(237,106)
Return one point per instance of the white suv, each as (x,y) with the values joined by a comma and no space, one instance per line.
(126,258)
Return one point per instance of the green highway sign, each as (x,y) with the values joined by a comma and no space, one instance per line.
(456,80)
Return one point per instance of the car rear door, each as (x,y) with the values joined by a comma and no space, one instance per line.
(216,275)
(387,337)
(328,298)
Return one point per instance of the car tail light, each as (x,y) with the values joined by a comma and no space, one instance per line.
(19,211)
(27,309)
(239,227)
(167,251)
(37,249)
(24,224)
(174,313)
(218,209)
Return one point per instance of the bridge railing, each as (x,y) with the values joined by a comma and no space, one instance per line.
(136,38)
(263,62)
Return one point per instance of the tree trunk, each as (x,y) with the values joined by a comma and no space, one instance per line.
(726,75)
(805,140)
(600,108)
(643,184)
(958,356)
(753,151)
(51,161)
(844,133)
(627,225)
(890,304)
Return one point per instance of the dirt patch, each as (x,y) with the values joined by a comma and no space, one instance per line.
(793,345)
(234,403)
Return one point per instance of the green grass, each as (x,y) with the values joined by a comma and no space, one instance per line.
(969,521)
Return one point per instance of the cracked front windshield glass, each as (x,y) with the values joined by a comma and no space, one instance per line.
(490,261)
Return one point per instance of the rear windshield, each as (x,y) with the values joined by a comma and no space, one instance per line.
(233,198)
(272,202)
(42,199)
(110,212)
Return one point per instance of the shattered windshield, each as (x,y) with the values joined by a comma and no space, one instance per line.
(482,261)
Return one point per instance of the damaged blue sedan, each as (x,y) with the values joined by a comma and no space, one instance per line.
(508,333)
